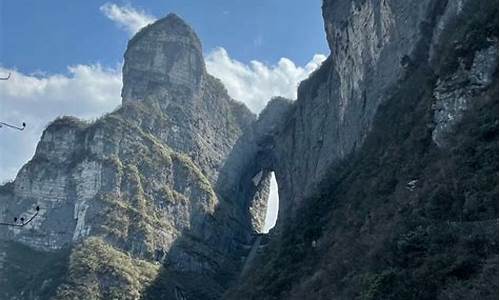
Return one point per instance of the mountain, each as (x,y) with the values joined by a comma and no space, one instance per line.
(135,188)
(387,167)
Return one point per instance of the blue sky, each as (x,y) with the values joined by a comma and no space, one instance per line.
(50,35)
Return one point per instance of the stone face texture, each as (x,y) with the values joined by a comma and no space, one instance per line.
(246,172)
(455,92)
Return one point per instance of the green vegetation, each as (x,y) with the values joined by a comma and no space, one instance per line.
(25,271)
(66,122)
(194,172)
(99,271)
(467,33)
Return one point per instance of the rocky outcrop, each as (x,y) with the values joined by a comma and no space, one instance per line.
(371,44)
(459,83)
(455,92)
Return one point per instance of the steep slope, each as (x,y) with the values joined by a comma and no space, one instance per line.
(135,187)
(392,191)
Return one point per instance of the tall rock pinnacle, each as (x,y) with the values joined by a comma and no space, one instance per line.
(165,55)
(164,67)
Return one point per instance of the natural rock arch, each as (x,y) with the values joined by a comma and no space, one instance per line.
(247,172)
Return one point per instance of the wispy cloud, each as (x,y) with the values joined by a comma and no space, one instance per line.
(127,17)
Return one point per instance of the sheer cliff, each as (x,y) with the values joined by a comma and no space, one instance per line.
(387,167)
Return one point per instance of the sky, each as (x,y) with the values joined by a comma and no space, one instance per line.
(65,57)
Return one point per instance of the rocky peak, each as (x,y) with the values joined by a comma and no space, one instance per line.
(186,108)
(163,57)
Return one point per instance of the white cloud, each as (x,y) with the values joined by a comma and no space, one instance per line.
(256,83)
(127,17)
(87,92)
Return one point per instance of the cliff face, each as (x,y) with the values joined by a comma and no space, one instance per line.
(386,166)
(373,45)
(387,162)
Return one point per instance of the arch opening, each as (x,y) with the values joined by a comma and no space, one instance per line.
(272,206)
